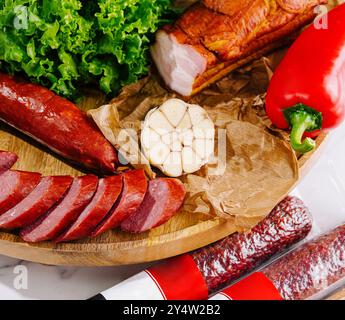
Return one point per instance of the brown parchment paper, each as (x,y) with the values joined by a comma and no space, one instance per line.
(260,166)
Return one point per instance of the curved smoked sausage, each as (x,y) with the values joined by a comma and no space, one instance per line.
(56,123)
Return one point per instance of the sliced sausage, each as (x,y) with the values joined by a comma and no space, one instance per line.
(106,195)
(7,160)
(64,214)
(47,193)
(56,123)
(133,193)
(163,199)
(15,186)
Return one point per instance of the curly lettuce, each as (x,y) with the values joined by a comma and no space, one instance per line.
(67,44)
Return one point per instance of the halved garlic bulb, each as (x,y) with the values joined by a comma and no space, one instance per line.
(178,138)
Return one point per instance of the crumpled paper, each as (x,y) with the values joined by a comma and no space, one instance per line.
(260,167)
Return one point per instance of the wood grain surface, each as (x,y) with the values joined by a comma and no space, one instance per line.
(184,232)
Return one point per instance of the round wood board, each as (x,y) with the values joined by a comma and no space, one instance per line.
(181,234)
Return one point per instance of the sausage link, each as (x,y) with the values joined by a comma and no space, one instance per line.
(56,123)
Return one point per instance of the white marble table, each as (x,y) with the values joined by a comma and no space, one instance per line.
(55,282)
(323,190)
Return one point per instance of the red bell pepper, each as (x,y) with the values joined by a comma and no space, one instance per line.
(307,90)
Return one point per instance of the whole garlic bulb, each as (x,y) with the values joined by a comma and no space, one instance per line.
(178,138)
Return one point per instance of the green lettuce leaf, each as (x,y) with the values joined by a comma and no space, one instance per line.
(66,44)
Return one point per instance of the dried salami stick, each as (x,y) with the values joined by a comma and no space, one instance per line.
(298,275)
(197,274)
(227,260)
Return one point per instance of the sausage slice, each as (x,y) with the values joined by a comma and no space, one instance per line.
(133,193)
(106,195)
(7,160)
(64,214)
(163,199)
(15,186)
(46,194)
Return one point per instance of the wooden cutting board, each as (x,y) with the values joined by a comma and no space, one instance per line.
(183,233)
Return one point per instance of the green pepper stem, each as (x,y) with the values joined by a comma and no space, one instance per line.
(301,122)
(302,118)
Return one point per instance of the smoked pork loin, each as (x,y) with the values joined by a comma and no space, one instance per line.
(214,37)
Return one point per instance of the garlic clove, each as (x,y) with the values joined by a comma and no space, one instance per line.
(190,160)
(159,123)
(209,149)
(186,137)
(172,166)
(196,114)
(174,110)
(158,154)
(176,144)
(167,138)
(185,123)
(203,148)
(204,130)
(149,138)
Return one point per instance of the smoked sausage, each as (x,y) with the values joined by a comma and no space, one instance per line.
(15,186)
(163,199)
(7,160)
(64,214)
(46,194)
(56,123)
(133,193)
(106,195)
